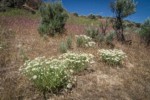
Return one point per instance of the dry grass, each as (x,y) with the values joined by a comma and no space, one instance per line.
(100,81)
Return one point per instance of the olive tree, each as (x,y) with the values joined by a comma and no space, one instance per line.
(122,9)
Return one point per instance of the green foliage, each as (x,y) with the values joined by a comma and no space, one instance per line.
(82,21)
(63,47)
(123,8)
(46,74)
(100,38)
(13,3)
(54,18)
(112,56)
(110,37)
(84,41)
(75,14)
(91,16)
(92,33)
(145,31)
(51,74)
(80,41)
(77,62)
(104,26)
(69,42)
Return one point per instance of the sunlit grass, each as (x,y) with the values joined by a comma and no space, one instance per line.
(82,21)
(19,12)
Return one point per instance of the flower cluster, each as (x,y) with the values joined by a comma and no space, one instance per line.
(112,56)
(85,41)
(53,73)
(77,62)
(46,74)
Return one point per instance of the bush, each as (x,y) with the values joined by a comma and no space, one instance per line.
(69,42)
(80,41)
(100,38)
(54,18)
(112,56)
(91,16)
(84,41)
(46,74)
(77,62)
(75,14)
(63,47)
(91,32)
(110,37)
(145,31)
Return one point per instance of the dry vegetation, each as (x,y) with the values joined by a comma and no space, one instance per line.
(130,81)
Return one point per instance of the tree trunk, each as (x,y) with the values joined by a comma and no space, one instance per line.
(119,27)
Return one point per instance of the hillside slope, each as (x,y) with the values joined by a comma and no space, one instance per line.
(100,81)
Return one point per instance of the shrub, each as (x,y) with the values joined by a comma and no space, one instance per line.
(145,31)
(104,26)
(77,62)
(100,38)
(75,14)
(54,18)
(84,41)
(69,42)
(80,41)
(112,56)
(63,47)
(110,37)
(46,74)
(91,32)
(91,16)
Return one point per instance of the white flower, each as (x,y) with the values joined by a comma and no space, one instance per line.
(69,86)
(34,77)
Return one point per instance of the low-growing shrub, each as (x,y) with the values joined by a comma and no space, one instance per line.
(75,14)
(110,37)
(69,42)
(100,38)
(80,41)
(112,56)
(84,41)
(91,16)
(77,61)
(145,32)
(91,32)
(63,47)
(46,74)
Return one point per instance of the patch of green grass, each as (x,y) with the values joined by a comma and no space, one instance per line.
(82,21)
(19,12)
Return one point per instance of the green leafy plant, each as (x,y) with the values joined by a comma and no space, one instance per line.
(145,32)
(54,18)
(112,56)
(80,41)
(69,42)
(91,32)
(84,41)
(91,16)
(46,74)
(110,36)
(63,47)
(77,61)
